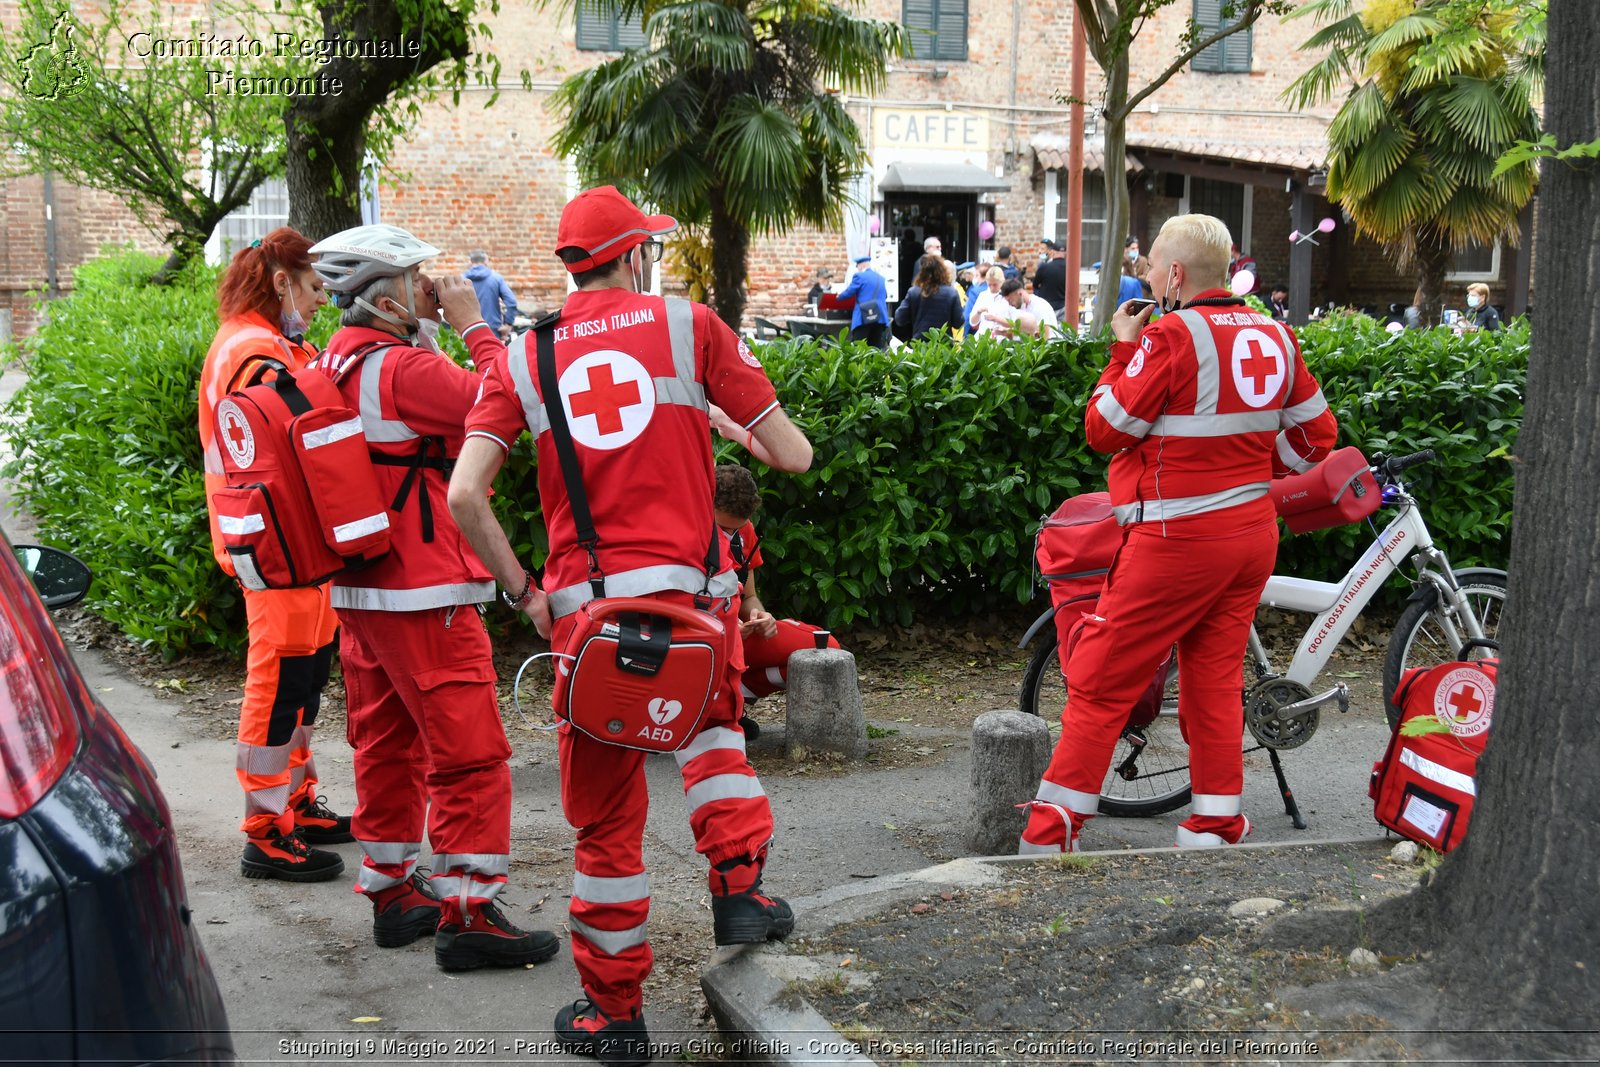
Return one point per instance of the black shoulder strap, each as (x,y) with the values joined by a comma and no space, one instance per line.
(257,368)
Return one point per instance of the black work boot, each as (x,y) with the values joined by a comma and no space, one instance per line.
(584,1030)
(747,916)
(486,938)
(320,826)
(402,913)
(287,856)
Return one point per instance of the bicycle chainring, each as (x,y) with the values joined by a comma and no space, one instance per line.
(1261,714)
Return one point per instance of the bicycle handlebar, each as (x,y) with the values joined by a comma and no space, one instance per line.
(1387,467)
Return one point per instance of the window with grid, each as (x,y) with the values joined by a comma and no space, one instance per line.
(600,29)
(1094,215)
(1224,200)
(267,210)
(937,28)
(1476,263)
(1231,55)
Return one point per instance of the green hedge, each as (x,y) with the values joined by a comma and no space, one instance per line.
(933,464)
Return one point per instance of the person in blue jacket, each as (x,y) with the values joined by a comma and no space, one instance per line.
(870,320)
(493,295)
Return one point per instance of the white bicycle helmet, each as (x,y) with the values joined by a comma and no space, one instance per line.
(353,259)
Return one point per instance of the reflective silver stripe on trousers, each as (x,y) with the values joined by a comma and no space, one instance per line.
(1028,848)
(301,741)
(611,942)
(329,435)
(392,853)
(456,594)
(723,787)
(350,531)
(241,524)
(717,737)
(639,582)
(379,429)
(1178,507)
(1222,805)
(1071,799)
(623,889)
(263,759)
(1216,425)
(1188,838)
(269,801)
(1208,369)
(490,863)
(1112,411)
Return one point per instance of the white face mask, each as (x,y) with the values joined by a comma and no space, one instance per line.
(1473,300)
(428,334)
(1133,254)
(290,321)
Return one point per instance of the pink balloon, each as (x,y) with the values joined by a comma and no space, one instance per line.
(985,230)
(873,225)
(1294,235)
(1326,225)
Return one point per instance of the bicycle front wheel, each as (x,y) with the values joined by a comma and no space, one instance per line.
(1149,772)
(1422,637)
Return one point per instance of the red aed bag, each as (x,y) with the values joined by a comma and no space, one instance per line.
(1076,544)
(641,672)
(301,502)
(1425,786)
(1337,491)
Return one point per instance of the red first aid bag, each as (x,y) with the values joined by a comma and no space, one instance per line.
(1425,785)
(642,672)
(301,502)
(1337,491)
(1076,544)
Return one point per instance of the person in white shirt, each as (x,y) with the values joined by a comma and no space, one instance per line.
(1018,311)
(994,278)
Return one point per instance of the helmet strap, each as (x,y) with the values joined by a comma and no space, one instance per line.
(410,328)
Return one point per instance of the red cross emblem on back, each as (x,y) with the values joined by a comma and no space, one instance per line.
(1258,366)
(605,398)
(1466,700)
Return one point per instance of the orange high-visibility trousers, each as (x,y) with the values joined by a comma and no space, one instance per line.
(292,638)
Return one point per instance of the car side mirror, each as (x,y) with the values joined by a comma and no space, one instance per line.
(60,577)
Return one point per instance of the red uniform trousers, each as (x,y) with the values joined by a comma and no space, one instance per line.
(1192,582)
(604,797)
(292,634)
(424,720)
(766,659)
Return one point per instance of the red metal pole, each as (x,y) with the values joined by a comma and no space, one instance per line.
(1075,174)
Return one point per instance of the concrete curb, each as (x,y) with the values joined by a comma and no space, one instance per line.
(752,990)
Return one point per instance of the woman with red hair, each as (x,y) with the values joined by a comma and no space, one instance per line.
(267,295)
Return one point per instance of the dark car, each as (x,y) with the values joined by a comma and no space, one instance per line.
(99,960)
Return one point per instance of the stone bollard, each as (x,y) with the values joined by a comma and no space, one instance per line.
(824,712)
(1010,751)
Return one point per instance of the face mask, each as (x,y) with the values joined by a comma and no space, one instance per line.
(1169,302)
(1133,254)
(428,334)
(291,322)
(1473,300)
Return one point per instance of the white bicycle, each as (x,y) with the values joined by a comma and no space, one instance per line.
(1149,773)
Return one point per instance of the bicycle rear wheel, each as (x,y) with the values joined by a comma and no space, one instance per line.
(1149,772)
(1422,636)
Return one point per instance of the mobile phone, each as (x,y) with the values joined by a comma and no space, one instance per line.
(1138,304)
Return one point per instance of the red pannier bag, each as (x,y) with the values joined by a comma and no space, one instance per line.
(301,502)
(1337,491)
(1425,786)
(641,672)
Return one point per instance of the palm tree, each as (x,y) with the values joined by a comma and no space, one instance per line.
(1441,88)
(730,118)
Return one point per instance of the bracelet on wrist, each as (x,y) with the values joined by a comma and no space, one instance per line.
(520,601)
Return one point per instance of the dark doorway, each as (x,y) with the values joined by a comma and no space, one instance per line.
(914,217)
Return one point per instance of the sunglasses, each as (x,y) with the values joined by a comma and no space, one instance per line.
(651,251)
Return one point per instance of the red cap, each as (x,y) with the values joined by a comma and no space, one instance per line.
(605,224)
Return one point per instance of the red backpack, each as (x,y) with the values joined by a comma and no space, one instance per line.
(301,502)
(1425,785)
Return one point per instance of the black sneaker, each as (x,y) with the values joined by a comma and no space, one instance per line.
(584,1030)
(750,917)
(319,826)
(486,938)
(287,856)
(402,913)
(752,729)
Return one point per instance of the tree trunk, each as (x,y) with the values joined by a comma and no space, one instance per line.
(730,252)
(1516,903)
(1433,261)
(1116,154)
(324,174)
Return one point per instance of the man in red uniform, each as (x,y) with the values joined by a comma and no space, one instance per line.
(768,642)
(424,717)
(635,374)
(1200,408)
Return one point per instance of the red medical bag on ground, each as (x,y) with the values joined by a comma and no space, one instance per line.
(1337,491)
(1425,785)
(301,502)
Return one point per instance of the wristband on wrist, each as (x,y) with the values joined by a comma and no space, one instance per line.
(750,440)
(520,601)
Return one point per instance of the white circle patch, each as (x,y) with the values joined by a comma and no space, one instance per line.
(237,436)
(609,398)
(1135,365)
(747,355)
(1464,701)
(1259,367)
